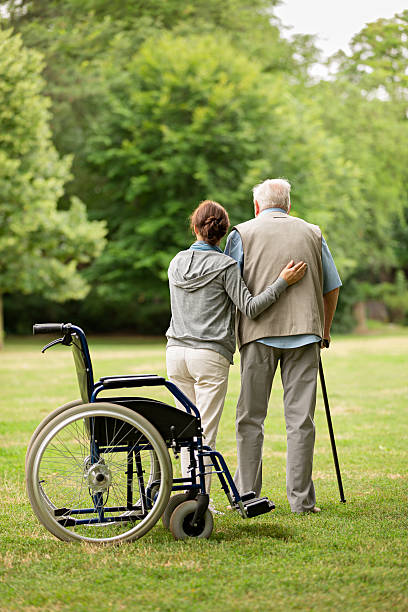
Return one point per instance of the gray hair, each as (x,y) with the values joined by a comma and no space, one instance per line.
(272,193)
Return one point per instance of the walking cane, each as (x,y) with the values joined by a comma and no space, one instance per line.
(330,426)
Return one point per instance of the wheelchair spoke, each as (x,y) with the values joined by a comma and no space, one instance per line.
(82,438)
(61,452)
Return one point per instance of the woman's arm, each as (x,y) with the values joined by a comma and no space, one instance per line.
(253,306)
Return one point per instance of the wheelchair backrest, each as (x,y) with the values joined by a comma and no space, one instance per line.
(83,365)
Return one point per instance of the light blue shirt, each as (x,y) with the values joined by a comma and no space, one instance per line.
(331,281)
(200,245)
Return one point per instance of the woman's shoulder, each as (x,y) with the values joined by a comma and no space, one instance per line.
(181,255)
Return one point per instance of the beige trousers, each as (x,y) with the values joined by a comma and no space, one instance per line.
(202,375)
(299,367)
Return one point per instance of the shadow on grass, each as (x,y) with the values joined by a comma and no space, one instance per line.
(253,532)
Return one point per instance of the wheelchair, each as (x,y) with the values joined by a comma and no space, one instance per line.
(99,469)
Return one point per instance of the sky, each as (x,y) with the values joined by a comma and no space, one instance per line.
(335,21)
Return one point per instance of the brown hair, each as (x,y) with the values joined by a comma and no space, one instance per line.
(211,220)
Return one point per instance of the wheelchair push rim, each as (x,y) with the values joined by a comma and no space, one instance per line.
(88,474)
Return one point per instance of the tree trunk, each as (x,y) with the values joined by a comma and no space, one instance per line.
(359,312)
(1,323)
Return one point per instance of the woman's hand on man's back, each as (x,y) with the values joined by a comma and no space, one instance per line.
(292,272)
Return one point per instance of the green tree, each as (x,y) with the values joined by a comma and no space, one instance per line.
(184,120)
(365,106)
(41,247)
(75,36)
(80,40)
(374,144)
(378,60)
(371,90)
(132,87)
(189,118)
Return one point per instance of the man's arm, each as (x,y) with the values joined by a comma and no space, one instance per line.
(331,288)
(329,303)
(234,248)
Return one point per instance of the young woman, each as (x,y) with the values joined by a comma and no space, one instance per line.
(205,287)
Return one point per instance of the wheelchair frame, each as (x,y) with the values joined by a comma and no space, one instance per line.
(159,426)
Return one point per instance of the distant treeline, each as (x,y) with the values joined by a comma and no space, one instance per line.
(117,117)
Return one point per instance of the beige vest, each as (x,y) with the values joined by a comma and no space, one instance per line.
(270,241)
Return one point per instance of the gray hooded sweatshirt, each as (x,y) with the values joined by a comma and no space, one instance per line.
(205,288)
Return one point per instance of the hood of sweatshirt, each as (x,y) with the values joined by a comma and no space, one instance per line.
(190,270)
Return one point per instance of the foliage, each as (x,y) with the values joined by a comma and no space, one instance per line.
(165,103)
(91,30)
(378,60)
(41,247)
(95,35)
(366,105)
(188,118)
(183,120)
(377,154)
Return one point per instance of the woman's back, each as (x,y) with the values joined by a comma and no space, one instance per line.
(202,311)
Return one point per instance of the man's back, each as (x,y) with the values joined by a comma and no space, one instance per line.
(269,241)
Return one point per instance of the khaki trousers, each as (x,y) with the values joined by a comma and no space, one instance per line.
(202,375)
(299,368)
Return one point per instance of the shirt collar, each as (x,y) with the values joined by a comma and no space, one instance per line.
(200,245)
(268,210)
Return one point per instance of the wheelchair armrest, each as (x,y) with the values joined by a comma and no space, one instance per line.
(120,382)
(102,378)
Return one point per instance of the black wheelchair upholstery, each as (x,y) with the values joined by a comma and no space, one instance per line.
(169,421)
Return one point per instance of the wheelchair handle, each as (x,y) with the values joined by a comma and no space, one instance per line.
(50,328)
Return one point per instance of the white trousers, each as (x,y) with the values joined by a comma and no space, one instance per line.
(202,375)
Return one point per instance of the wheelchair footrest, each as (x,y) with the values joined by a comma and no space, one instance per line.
(257,506)
(247,496)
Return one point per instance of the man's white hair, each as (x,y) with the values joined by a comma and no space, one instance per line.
(273,193)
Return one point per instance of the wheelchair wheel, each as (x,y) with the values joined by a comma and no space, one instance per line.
(180,522)
(174,501)
(88,472)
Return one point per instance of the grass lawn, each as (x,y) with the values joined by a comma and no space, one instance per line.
(352,556)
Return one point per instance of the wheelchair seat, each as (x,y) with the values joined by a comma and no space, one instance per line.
(169,421)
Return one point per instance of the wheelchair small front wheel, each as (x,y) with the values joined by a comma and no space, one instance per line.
(174,501)
(181,525)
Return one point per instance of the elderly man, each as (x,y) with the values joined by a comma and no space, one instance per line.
(291,333)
